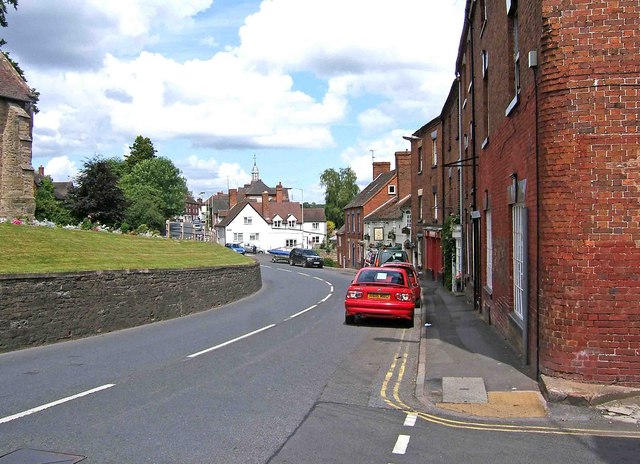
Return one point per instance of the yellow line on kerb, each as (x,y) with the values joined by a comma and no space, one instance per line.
(397,403)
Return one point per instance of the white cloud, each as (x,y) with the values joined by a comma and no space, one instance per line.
(373,119)
(61,169)
(304,75)
(211,176)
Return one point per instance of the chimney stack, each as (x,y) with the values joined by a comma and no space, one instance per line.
(41,170)
(403,173)
(233,198)
(380,167)
(265,205)
(279,194)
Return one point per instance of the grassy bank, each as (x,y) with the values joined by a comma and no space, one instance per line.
(28,249)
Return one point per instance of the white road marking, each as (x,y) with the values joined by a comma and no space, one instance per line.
(54,403)
(230,341)
(301,312)
(401,444)
(410,420)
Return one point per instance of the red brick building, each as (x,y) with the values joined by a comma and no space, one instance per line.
(548,136)
(383,187)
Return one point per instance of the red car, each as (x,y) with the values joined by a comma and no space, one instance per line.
(414,278)
(383,292)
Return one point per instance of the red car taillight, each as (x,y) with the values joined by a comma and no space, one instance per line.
(354,294)
(404,296)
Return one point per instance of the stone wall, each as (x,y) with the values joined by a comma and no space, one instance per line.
(47,308)
(16,173)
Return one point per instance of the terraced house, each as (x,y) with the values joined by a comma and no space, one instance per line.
(540,138)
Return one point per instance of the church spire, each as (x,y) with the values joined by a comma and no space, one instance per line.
(255,174)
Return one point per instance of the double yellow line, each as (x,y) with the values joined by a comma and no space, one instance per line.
(390,393)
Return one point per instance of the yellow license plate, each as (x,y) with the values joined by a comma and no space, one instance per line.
(379,296)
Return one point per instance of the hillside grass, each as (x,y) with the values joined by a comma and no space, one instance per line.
(29,249)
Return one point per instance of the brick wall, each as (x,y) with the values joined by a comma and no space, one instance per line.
(40,309)
(590,191)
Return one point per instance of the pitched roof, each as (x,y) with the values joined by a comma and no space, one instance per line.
(256,187)
(284,210)
(370,190)
(12,86)
(237,209)
(390,210)
(314,215)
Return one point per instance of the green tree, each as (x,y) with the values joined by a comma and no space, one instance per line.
(331,227)
(142,149)
(156,180)
(340,188)
(48,207)
(97,195)
(145,209)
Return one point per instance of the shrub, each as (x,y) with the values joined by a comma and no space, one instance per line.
(329,262)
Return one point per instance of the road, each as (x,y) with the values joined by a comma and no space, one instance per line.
(273,378)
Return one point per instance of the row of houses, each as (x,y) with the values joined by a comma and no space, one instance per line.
(261,216)
(524,192)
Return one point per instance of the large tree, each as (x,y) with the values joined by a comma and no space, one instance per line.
(142,149)
(340,188)
(48,206)
(157,182)
(97,196)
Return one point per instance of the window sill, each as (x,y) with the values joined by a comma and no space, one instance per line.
(485,142)
(511,106)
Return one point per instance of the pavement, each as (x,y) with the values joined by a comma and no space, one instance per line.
(466,367)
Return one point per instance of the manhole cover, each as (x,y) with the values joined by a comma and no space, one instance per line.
(32,456)
(461,390)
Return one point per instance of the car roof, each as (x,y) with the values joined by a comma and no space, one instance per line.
(380,269)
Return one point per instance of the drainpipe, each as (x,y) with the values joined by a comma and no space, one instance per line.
(476,221)
(537,127)
(461,176)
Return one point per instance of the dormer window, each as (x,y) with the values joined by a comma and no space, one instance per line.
(391,189)
(292,222)
(277,223)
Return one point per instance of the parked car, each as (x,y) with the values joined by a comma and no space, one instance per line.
(305,257)
(383,292)
(414,278)
(389,255)
(236,247)
(251,248)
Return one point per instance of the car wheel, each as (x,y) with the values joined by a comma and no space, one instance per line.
(409,323)
(349,320)
(291,262)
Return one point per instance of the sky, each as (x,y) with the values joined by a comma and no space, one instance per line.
(301,85)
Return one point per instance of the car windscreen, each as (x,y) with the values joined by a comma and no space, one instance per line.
(309,253)
(380,277)
(389,256)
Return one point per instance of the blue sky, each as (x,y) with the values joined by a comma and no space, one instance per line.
(304,85)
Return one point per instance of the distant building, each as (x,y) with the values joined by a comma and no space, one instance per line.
(259,215)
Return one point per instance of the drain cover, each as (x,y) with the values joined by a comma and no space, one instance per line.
(32,456)
(461,390)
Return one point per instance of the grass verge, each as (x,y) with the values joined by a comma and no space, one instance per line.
(30,249)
